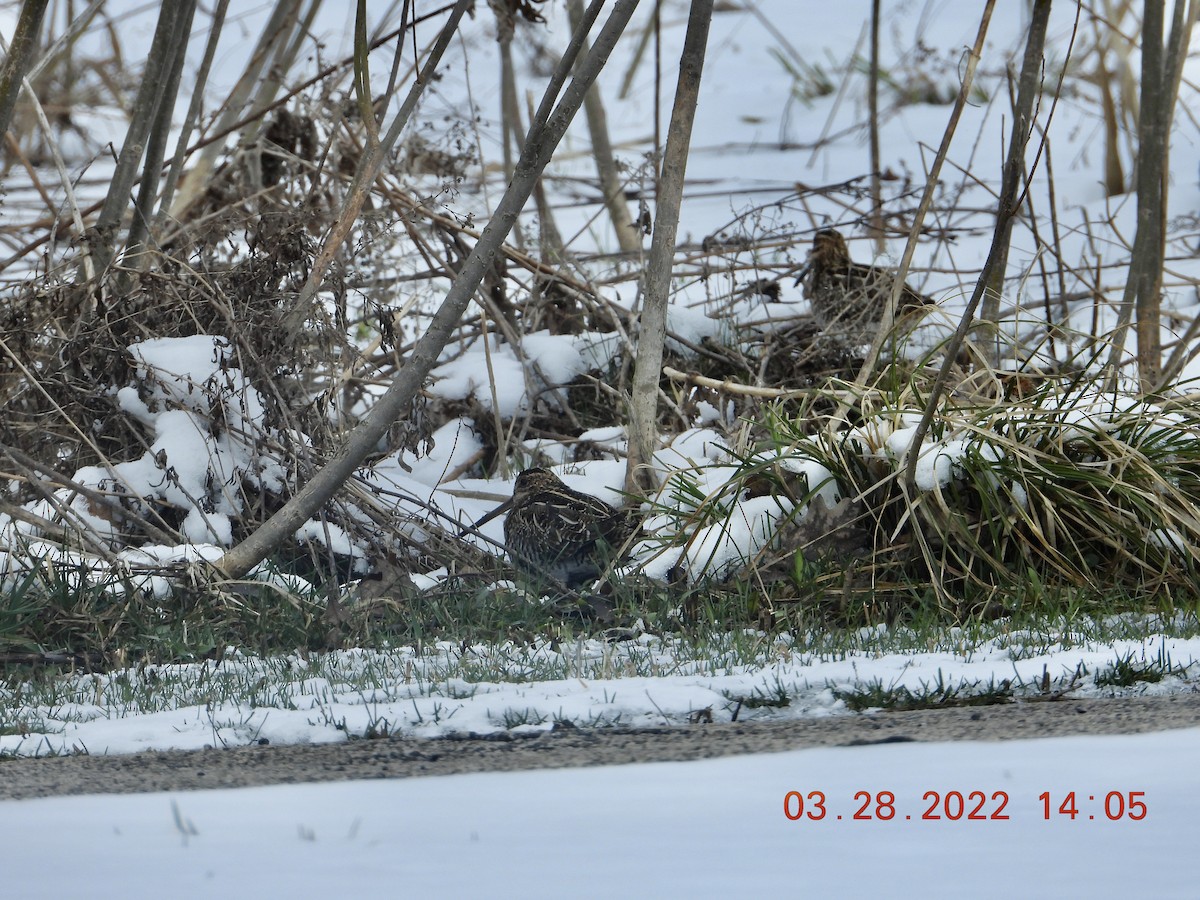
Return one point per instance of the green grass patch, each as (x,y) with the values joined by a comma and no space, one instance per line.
(1130,670)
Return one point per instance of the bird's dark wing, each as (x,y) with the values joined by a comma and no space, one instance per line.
(568,526)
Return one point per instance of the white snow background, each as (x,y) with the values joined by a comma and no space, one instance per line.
(713,828)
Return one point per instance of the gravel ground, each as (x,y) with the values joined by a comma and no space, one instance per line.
(401,758)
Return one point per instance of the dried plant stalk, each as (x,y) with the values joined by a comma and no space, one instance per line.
(151,95)
(156,148)
(20,55)
(1006,211)
(193,113)
(611,186)
(643,406)
(368,169)
(1010,179)
(545,132)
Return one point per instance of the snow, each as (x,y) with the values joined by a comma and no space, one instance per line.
(758,124)
(496,379)
(477,374)
(712,828)
(702,828)
(450,447)
(647,681)
(727,545)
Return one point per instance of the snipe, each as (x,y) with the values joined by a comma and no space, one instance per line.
(849,297)
(554,530)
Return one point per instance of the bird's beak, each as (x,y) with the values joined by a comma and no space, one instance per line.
(803,271)
(502,508)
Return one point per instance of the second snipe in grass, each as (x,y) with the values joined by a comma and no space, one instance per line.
(554,530)
(848,297)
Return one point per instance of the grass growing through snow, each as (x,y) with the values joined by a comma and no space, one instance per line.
(1067,494)
(421,689)
(1064,523)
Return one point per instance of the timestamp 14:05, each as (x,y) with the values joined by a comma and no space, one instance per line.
(1117,805)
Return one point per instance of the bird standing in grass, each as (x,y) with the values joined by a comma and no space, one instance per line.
(554,530)
(849,297)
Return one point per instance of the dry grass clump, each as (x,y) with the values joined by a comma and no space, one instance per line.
(1067,488)
(230,268)
(1047,485)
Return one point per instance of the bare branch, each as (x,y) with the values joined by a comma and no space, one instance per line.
(544,135)
(643,406)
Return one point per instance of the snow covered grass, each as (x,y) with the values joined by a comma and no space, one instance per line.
(1050,533)
(1026,490)
(453,686)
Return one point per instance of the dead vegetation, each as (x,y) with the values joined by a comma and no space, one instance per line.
(319,253)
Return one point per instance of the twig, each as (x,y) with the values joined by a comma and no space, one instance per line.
(643,430)
(369,166)
(746,390)
(545,134)
(193,114)
(876,217)
(20,54)
(931,183)
(151,95)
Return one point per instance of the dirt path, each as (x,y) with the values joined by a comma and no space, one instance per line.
(400,758)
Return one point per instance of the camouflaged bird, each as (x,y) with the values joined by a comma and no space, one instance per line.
(554,530)
(849,297)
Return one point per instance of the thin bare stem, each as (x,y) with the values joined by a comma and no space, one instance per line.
(368,169)
(1006,212)
(612,188)
(193,113)
(156,148)
(643,432)
(20,55)
(931,183)
(149,98)
(876,216)
(544,135)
